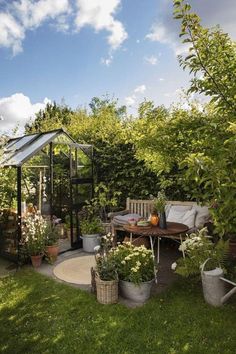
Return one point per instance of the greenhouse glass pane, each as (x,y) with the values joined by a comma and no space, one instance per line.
(19,143)
(30,149)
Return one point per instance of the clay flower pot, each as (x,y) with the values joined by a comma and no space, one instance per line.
(52,252)
(36,260)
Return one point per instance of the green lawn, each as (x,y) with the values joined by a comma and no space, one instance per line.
(39,315)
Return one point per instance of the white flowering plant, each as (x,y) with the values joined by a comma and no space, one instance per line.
(134,264)
(34,234)
(105,263)
(197,248)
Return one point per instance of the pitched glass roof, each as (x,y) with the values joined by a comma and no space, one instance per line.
(19,150)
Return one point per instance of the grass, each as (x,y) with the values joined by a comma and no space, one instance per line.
(39,315)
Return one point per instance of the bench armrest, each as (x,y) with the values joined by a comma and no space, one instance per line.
(122,212)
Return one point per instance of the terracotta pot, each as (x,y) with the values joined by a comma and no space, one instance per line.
(36,260)
(52,252)
(154,220)
(232,248)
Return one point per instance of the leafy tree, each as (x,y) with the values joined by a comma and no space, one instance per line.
(108,129)
(211,59)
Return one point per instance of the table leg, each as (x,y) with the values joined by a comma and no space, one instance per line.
(131,237)
(158,250)
(181,240)
(154,260)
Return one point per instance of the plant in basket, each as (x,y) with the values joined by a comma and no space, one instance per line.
(106,273)
(34,235)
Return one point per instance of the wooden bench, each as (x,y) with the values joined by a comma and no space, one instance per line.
(143,208)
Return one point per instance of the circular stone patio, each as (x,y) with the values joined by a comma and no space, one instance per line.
(75,270)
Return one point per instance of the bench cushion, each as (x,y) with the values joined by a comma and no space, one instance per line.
(124,219)
(186,217)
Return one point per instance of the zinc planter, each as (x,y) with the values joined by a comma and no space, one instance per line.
(90,241)
(107,291)
(136,292)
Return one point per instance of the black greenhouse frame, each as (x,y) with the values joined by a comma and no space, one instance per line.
(20,150)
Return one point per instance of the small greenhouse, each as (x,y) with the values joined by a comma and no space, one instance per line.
(48,172)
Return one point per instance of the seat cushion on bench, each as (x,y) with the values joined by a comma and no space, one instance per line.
(202,217)
(186,217)
(124,219)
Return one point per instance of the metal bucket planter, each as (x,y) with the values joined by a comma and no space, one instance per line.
(136,292)
(107,291)
(90,241)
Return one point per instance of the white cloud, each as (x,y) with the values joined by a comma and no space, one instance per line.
(20,16)
(140,89)
(130,100)
(165,30)
(32,14)
(136,95)
(100,15)
(11,33)
(151,60)
(161,33)
(18,109)
(161,79)
(107,61)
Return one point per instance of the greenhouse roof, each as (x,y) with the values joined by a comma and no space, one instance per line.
(19,150)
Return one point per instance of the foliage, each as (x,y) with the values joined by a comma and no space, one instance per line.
(211,59)
(108,129)
(54,116)
(198,248)
(91,226)
(8,193)
(51,234)
(105,264)
(159,202)
(103,202)
(134,264)
(34,234)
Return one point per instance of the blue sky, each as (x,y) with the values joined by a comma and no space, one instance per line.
(77,49)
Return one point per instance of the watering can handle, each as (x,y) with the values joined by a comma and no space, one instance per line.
(203,265)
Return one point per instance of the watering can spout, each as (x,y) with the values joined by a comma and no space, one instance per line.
(229,293)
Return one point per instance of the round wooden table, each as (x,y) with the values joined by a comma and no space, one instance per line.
(174,231)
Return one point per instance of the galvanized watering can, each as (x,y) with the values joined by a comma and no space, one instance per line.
(213,284)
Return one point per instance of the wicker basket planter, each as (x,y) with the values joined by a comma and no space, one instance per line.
(107,291)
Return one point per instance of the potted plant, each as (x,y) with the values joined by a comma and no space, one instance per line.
(67,225)
(51,242)
(205,258)
(159,204)
(91,229)
(197,248)
(135,267)
(106,274)
(34,237)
